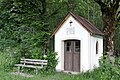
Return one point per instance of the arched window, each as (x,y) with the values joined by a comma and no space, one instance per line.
(97,47)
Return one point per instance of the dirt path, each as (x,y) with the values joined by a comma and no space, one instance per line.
(21,74)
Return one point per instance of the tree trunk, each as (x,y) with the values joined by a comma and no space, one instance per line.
(109,33)
(70,5)
(109,11)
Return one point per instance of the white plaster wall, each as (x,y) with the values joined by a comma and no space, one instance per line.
(94,61)
(80,34)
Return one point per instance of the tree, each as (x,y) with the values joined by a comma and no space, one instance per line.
(110,15)
(27,24)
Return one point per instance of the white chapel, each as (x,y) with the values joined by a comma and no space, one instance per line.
(78,43)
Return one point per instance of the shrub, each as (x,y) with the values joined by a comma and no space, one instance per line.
(36,53)
(107,71)
(8,58)
(52,61)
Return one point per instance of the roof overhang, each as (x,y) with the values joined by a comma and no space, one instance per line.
(84,22)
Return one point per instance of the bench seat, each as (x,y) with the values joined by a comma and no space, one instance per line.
(32,63)
(29,66)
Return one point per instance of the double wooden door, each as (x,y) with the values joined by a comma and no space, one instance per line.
(72,55)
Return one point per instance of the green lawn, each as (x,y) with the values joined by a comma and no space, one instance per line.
(98,74)
(55,76)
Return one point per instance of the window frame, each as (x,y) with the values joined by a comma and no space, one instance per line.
(97,47)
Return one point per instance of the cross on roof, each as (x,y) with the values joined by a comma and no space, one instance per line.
(70,23)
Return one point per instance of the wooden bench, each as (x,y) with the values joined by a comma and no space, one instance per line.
(32,63)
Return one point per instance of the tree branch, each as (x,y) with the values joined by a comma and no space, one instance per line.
(36,7)
(43,6)
(116,4)
(118,16)
(18,12)
(118,13)
(55,12)
(100,2)
(111,3)
(118,19)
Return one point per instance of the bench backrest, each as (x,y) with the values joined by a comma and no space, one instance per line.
(34,62)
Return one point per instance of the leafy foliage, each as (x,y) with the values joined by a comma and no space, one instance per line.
(108,71)
(25,26)
(52,61)
(117,41)
(8,58)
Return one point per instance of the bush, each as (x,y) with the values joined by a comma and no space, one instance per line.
(107,71)
(8,58)
(52,61)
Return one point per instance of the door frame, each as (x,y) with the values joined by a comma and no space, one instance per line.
(79,54)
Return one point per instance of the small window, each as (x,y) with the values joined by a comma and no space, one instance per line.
(77,46)
(68,46)
(97,47)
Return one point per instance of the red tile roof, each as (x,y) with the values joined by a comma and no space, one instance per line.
(84,22)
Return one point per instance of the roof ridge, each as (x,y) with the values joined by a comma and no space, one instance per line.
(83,21)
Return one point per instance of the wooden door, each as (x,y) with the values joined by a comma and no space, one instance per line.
(72,55)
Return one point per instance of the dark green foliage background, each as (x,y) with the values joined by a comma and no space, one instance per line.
(25,26)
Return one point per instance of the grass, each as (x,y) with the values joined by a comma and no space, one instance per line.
(97,74)
(54,76)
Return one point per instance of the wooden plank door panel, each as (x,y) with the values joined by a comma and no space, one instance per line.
(76,63)
(68,62)
(68,56)
(76,56)
(72,55)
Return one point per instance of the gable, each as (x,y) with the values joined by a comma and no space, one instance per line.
(84,22)
(73,30)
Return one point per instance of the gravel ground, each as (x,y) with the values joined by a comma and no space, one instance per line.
(21,74)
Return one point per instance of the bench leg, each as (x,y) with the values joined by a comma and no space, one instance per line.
(18,69)
(36,71)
